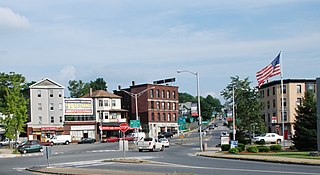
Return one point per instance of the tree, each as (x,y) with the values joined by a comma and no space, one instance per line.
(305,137)
(80,88)
(248,107)
(14,105)
(185,97)
(214,102)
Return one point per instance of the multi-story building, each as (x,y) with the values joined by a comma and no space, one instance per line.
(293,92)
(46,110)
(157,106)
(108,113)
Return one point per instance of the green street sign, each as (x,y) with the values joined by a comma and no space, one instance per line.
(134,123)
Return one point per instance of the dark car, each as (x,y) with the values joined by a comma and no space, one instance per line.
(30,146)
(166,135)
(86,140)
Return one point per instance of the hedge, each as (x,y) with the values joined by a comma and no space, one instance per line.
(252,149)
(233,151)
(275,147)
(225,147)
(263,148)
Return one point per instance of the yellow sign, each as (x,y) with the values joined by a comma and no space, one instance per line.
(181,136)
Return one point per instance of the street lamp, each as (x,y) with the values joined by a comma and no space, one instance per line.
(199,110)
(136,96)
(233,116)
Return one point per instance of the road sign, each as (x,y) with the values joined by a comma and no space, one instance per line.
(135,123)
(124,127)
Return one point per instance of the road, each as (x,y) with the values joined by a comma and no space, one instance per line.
(176,159)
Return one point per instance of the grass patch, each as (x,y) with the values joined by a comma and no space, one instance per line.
(298,154)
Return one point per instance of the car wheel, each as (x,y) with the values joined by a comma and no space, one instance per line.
(154,148)
(278,141)
(24,151)
(52,143)
(41,150)
(162,148)
(140,150)
(67,142)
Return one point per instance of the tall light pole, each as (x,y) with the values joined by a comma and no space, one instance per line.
(136,96)
(199,110)
(233,116)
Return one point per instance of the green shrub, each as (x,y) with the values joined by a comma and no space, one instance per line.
(239,149)
(261,142)
(275,147)
(225,147)
(252,149)
(263,148)
(242,146)
(233,151)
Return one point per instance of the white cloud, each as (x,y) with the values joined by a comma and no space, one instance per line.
(68,73)
(8,18)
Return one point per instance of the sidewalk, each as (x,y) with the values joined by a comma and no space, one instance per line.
(215,154)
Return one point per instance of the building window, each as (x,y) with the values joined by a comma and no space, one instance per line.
(60,106)
(60,93)
(40,119)
(174,106)
(173,94)
(162,94)
(51,106)
(163,105)
(310,86)
(106,102)
(158,105)
(174,117)
(113,102)
(268,104)
(298,101)
(284,88)
(299,89)
(61,119)
(168,94)
(51,119)
(100,115)
(114,115)
(284,102)
(51,93)
(151,93)
(152,105)
(274,103)
(158,93)
(39,93)
(100,103)
(273,90)
(39,106)
(262,93)
(106,115)
(269,119)
(164,116)
(285,116)
(168,106)
(268,92)
(152,117)
(169,117)
(159,117)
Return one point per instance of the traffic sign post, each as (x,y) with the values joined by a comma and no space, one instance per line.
(124,127)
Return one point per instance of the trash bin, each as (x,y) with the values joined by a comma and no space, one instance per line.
(204,147)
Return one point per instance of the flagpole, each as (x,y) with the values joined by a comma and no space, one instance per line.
(282,101)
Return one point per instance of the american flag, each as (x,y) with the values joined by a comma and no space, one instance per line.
(269,71)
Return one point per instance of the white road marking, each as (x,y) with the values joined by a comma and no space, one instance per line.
(99,151)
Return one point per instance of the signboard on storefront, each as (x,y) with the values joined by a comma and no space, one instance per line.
(78,106)
(82,127)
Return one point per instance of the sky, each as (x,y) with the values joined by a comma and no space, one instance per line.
(143,41)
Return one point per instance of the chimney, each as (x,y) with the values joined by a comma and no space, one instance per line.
(90,92)
(119,87)
(133,83)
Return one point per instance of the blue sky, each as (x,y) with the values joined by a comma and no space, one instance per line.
(145,40)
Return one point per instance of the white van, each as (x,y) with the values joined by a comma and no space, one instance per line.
(61,139)
(138,135)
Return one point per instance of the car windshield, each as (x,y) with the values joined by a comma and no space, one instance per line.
(147,139)
(262,135)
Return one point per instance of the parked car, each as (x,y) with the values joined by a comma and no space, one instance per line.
(110,139)
(211,127)
(30,146)
(224,134)
(269,138)
(165,142)
(166,135)
(6,142)
(86,140)
(60,139)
